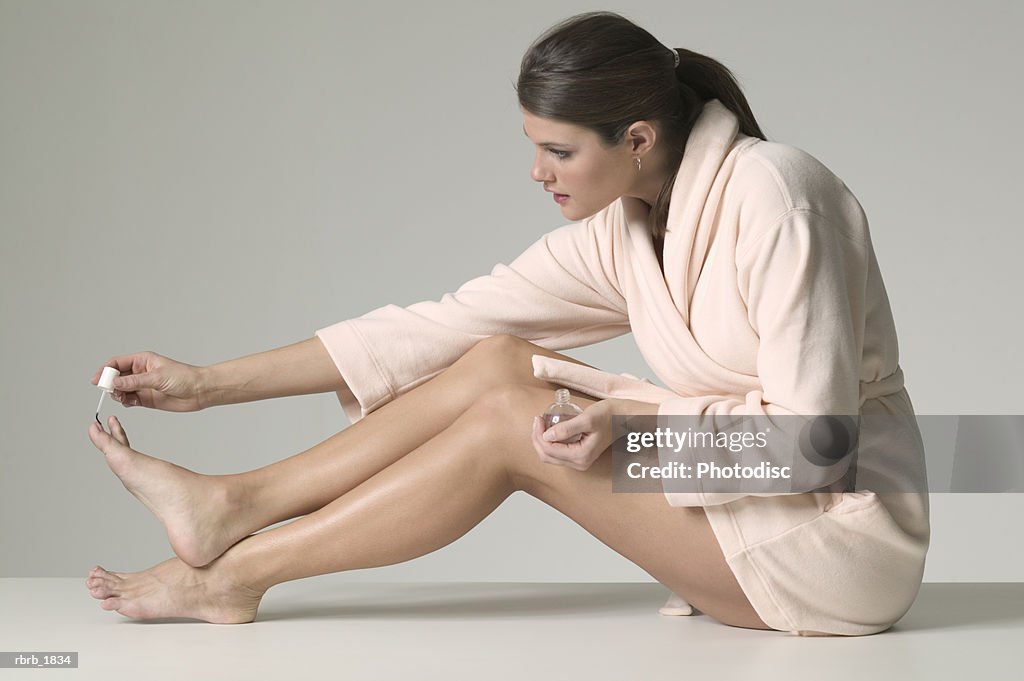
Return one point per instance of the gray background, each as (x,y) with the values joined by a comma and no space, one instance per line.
(212,179)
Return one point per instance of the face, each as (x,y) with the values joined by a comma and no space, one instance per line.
(570,160)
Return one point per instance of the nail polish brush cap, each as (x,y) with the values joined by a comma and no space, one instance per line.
(107,378)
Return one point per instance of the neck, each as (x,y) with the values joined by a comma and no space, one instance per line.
(648,184)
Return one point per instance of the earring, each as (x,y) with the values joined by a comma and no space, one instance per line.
(638,164)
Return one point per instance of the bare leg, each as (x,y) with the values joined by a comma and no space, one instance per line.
(308,481)
(427,499)
(205,514)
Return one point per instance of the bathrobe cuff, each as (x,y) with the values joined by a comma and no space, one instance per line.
(363,382)
(694,406)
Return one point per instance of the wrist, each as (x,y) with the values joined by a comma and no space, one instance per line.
(206,388)
(624,407)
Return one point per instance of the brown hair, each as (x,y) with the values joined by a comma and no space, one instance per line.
(603,72)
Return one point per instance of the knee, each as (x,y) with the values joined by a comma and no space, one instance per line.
(500,345)
(504,412)
(505,401)
(501,421)
(500,359)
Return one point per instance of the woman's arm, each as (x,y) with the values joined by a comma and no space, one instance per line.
(561,292)
(302,368)
(621,407)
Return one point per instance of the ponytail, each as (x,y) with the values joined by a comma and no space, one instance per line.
(700,79)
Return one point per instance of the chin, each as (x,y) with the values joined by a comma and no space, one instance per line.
(576,213)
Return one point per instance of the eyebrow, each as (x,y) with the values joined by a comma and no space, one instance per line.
(545,144)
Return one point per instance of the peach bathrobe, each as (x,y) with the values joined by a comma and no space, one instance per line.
(771,303)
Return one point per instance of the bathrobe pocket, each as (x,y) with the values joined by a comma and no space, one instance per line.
(851,571)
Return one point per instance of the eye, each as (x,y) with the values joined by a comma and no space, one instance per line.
(562,155)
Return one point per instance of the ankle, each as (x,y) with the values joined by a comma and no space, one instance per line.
(235,572)
(233,493)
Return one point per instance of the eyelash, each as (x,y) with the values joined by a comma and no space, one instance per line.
(560,155)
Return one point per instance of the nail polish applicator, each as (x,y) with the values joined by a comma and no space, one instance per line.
(106,384)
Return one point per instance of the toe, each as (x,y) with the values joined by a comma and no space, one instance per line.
(101,439)
(110,579)
(100,587)
(117,430)
(95,581)
(112,603)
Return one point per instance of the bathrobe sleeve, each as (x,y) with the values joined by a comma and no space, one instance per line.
(803,281)
(561,292)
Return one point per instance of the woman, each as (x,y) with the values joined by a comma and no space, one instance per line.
(745,271)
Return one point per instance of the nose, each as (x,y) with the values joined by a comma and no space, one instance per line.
(538,172)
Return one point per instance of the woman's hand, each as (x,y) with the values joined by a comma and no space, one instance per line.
(155,381)
(595,426)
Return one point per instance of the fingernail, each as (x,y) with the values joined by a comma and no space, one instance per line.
(549,436)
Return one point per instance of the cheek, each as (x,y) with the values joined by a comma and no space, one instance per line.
(595,177)
(580,180)
(597,184)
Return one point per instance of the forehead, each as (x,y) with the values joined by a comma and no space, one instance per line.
(549,131)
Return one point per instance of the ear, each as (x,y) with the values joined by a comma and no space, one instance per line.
(641,137)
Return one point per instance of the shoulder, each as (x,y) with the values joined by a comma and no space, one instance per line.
(773,180)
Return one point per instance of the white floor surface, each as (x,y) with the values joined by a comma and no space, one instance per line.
(323,628)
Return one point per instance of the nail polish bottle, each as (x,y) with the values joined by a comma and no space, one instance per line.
(562,410)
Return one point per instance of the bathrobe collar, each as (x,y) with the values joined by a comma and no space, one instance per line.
(692,210)
(661,326)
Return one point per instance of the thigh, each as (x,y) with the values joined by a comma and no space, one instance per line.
(675,545)
(501,360)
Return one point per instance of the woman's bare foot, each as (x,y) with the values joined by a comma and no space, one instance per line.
(202,515)
(174,589)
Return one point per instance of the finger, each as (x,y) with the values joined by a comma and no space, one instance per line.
(126,399)
(551,434)
(563,432)
(551,452)
(538,443)
(130,383)
(135,372)
(120,362)
(563,455)
(562,435)
(574,456)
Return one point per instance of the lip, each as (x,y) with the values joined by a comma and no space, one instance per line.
(559,198)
